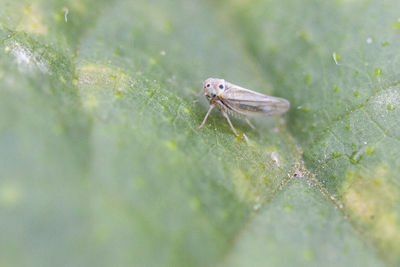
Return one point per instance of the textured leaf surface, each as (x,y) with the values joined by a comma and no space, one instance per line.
(101,162)
(341,73)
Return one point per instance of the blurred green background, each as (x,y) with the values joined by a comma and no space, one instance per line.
(101,163)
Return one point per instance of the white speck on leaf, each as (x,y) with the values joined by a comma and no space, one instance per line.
(369,40)
(27,60)
(389,97)
(335,58)
(66,14)
(275,159)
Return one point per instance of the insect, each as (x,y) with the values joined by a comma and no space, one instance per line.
(238,101)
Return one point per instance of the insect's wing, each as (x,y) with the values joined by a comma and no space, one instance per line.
(247,102)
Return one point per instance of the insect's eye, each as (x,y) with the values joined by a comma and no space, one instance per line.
(221,86)
(208,85)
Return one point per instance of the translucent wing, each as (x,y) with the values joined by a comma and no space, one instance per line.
(247,102)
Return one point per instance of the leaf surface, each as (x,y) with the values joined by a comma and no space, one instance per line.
(101,162)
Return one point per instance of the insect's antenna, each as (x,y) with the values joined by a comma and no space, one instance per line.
(197,94)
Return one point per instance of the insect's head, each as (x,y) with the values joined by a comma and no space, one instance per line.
(213,87)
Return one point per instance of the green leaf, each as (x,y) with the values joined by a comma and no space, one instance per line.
(101,162)
(340,72)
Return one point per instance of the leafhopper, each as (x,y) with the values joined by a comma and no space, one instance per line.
(234,100)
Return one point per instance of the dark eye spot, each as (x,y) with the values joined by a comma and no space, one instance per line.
(213,95)
(208,85)
(221,86)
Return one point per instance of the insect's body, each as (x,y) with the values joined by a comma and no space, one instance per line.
(240,102)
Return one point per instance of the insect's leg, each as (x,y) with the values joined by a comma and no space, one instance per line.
(249,123)
(205,118)
(230,123)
